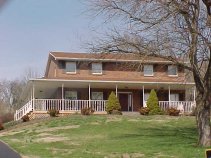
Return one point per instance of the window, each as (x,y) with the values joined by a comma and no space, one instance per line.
(72,95)
(172,70)
(97,95)
(70,67)
(174,97)
(96,68)
(148,70)
(146,96)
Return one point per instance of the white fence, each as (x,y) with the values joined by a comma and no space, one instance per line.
(96,105)
(183,106)
(23,111)
(68,105)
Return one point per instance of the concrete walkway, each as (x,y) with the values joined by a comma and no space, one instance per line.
(7,152)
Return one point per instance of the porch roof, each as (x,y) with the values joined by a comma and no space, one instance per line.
(46,87)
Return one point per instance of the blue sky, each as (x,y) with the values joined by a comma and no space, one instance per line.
(30,29)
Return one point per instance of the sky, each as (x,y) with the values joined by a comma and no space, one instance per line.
(30,29)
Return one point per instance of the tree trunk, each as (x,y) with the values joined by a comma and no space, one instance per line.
(203,123)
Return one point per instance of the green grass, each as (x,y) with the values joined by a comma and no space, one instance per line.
(106,136)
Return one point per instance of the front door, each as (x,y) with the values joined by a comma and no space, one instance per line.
(125,100)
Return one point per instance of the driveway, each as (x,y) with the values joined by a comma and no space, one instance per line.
(7,152)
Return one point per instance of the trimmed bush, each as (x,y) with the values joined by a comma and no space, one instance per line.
(25,118)
(7,117)
(152,104)
(87,111)
(53,113)
(193,112)
(173,112)
(112,103)
(144,111)
(1,126)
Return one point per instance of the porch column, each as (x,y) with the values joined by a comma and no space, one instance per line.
(33,96)
(63,97)
(194,94)
(116,90)
(144,105)
(169,95)
(89,95)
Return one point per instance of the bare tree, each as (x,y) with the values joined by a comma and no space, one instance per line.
(175,30)
(29,74)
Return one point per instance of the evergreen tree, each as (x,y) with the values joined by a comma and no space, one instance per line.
(112,103)
(152,103)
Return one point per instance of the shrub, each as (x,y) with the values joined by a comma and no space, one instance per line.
(25,118)
(7,117)
(173,112)
(1,126)
(53,113)
(87,111)
(112,103)
(193,112)
(144,111)
(152,104)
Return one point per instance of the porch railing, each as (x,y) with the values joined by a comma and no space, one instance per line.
(68,105)
(183,106)
(23,111)
(96,105)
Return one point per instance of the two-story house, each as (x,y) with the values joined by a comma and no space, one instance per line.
(73,81)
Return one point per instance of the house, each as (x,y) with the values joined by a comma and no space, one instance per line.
(73,81)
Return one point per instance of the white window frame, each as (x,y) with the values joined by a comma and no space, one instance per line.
(74,67)
(170,67)
(148,68)
(99,70)
(98,94)
(71,94)
(146,96)
(174,95)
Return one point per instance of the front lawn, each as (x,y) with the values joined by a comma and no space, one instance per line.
(106,136)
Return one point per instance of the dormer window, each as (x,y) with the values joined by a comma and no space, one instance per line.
(148,70)
(97,68)
(70,67)
(172,70)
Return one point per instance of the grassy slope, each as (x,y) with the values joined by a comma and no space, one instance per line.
(107,136)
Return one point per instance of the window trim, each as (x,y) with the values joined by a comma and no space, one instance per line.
(176,70)
(73,92)
(146,98)
(152,70)
(101,93)
(70,72)
(97,73)
(174,94)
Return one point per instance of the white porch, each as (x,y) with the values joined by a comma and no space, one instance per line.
(71,106)
(47,94)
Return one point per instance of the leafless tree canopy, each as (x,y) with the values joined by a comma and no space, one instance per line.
(176,30)
(158,28)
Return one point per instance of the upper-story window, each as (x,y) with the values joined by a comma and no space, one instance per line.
(70,67)
(148,70)
(97,68)
(172,70)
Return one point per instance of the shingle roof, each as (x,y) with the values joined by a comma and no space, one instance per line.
(105,56)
